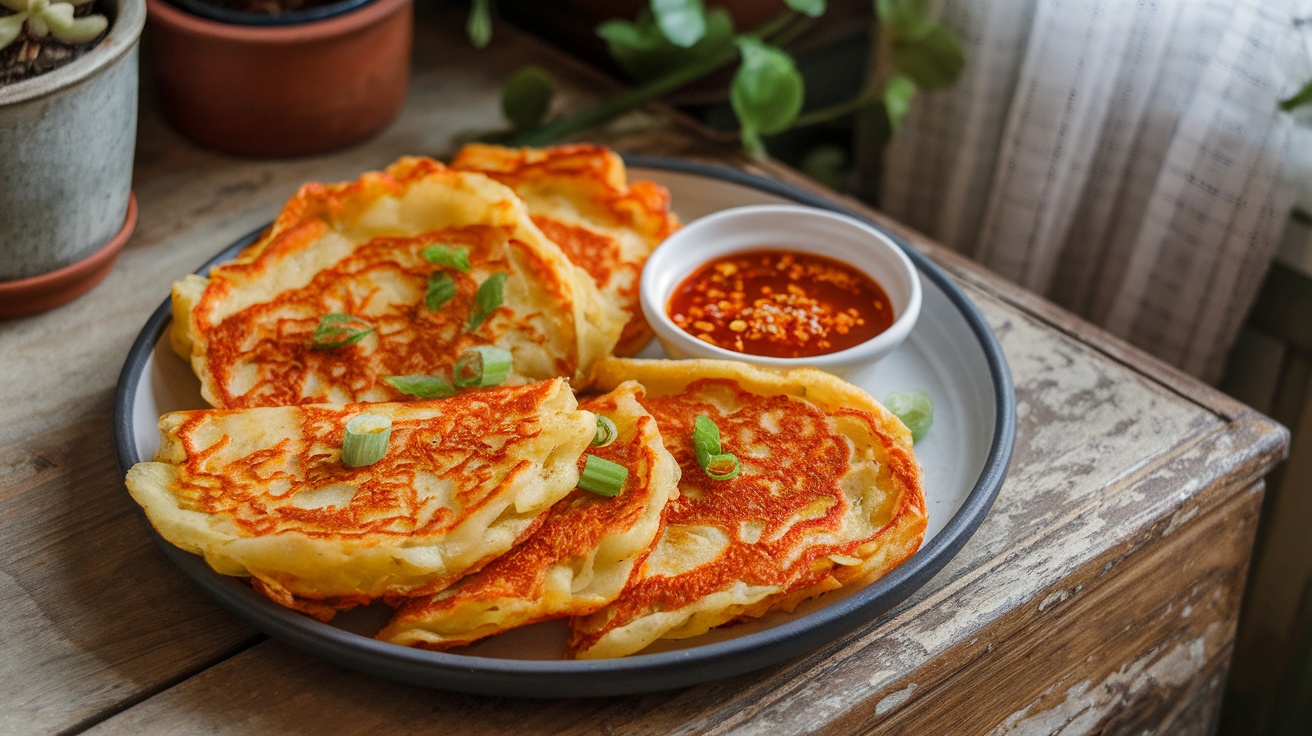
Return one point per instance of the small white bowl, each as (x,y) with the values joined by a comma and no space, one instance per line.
(781,227)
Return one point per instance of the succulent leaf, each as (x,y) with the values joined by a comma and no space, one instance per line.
(37,27)
(18,6)
(68,29)
(10,27)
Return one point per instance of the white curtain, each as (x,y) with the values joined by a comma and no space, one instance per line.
(1120,157)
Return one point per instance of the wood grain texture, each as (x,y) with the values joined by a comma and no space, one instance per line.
(1120,463)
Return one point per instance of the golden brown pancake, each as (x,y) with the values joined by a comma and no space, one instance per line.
(829,494)
(579,196)
(263,492)
(357,249)
(576,562)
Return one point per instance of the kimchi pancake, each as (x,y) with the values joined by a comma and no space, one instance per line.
(577,561)
(580,197)
(356,252)
(829,494)
(264,493)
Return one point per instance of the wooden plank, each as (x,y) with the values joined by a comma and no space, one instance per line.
(1101,653)
(94,613)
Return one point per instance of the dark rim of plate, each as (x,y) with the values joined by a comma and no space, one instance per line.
(640,672)
(218,13)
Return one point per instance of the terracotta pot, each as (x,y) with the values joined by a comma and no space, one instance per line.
(67,143)
(284,90)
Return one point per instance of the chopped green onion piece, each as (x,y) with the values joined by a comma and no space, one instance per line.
(724,466)
(337,330)
(602,477)
(491,294)
(441,289)
(422,386)
(451,256)
(365,441)
(606,432)
(705,439)
(717,465)
(485,365)
(914,408)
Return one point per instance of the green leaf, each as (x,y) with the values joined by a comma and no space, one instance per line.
(479,25)
(441,289)
(641,50)
(526,98)
(825,163)
(809,8)
(897,100)
(682,22)
(10,27)
(767,91)
(491,294)
(906,20)
(932,62)
(1301,98)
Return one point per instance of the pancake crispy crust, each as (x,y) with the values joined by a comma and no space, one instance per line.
(356,248)
(580,197)
(576,562)
(829,494)
(263,493)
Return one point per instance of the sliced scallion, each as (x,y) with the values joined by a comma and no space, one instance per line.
(337,330)
(914,408)
(602,477)
(422,386)
(365,440)
(485,365)
(491,294)
(606,432)
(441,289)
(451,256)
(724,466)
(717,464)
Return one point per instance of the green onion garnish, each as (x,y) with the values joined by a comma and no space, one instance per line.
(491,293)
(422,386)
(914,408)
(485,365)
(451,256)
(717,465)
(365,441)
(602,477)
(606,432)
(441,289)
(724,466)
(337,330)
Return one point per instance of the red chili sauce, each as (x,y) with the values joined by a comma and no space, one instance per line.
(780,304)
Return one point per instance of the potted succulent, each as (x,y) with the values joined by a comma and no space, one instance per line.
(68,109)
(280,77)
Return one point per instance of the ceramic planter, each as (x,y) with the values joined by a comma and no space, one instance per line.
(282,90)
(66,170)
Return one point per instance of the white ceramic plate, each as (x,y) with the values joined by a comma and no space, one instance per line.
(951,354)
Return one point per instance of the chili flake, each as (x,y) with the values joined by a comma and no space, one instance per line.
(780,304)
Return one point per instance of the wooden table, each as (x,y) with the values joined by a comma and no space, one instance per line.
(1100,593)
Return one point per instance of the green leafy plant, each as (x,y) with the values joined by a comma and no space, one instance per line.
(673,43)
(45,18)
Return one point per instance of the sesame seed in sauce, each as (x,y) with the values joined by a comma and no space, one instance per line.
(779,304)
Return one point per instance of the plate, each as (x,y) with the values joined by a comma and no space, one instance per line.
(952,354)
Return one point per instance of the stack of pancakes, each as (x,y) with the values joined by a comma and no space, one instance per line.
(472,524)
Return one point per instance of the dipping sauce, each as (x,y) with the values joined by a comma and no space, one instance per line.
(780,304)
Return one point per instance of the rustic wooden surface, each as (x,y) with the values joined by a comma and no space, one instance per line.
(1099,595)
